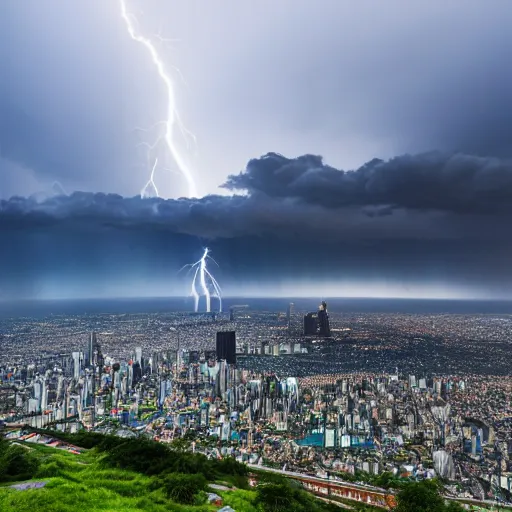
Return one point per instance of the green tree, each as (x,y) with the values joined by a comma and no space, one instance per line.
(275,497)
(384,480)
(288,496)
(453,506)
(229,466)
(180,444)
(17,463)
(420,497)
(183,488)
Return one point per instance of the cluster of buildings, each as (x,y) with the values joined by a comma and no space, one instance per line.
(230,396)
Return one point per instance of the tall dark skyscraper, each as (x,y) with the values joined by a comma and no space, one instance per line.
(317,324)
(310,324)
(226,346)
(324,328)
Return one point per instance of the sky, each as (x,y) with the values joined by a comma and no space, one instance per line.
(338,148)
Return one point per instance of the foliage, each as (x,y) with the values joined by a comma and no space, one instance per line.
(152,458)
(275,497)
(283,497)
(82,484)
(180,444)
(229,466)
(240,500)
(16,462)
(133,474)
(139,455)
(423,497)
(452,506)
(182,488)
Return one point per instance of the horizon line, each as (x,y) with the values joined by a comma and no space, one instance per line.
(260,297)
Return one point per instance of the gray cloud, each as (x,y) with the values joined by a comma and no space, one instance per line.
(431,197)
(431,181)
(281,235)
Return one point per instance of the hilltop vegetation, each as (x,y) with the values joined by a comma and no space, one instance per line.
(16,463)
(128,475)
(138,474)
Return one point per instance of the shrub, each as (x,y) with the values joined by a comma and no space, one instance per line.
(183,488)
(17,463)
(230,466)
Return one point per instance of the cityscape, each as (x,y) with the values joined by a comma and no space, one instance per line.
(254,256)
(337,397)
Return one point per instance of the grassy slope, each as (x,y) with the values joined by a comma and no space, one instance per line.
(83,483)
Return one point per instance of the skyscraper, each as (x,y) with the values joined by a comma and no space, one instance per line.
(226,346)
(138,354)
(289,314)
(317,324)
(310,324)
(324,328)
(91,344)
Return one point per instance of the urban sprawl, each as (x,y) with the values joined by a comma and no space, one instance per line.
(336,397)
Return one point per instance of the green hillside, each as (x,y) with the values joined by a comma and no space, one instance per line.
(133,475)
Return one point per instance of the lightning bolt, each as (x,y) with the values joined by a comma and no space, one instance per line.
(172,118)
(206,282)
(150,184)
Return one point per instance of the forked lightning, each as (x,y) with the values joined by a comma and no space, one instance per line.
(208,286)
(172,118)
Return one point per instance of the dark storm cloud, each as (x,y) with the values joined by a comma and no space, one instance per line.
(434,181)
(429,196)
(415,219)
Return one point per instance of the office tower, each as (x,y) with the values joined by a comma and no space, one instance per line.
(222,378)
(226,346)
(99,359)
(323,320)
(310,324)
(89,353)
(138,355)
(289,314)
(76,364)
(37,393)
(137,373)
(130,376)
(44,394)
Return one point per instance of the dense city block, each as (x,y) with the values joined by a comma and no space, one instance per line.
(368,400)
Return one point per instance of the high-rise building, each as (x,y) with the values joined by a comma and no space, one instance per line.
(289,314)
(138,355)
(226,347)
(324,328)
(310,324)
(317,324)
(77,364)
(89,354)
